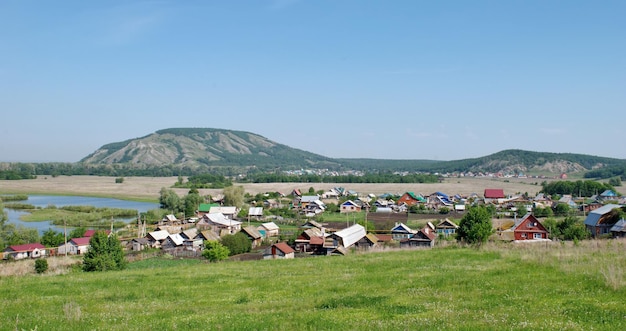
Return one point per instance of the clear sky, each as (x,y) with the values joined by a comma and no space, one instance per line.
(395,79)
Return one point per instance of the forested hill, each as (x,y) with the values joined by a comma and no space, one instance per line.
(204,148)
(511,161)
(191,151)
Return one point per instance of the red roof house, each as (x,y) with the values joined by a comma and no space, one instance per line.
(494,193)
(19,252)
(279,251)
(529,228)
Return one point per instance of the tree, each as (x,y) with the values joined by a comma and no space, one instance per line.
(562,209)
(105,253)
(214,251)
(233,196)
(475,227)
(52,238)
(41,266)
(169,200)
(77,233)
(191,202)
(237,243)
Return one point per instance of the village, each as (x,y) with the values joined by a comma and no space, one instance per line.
(386,223)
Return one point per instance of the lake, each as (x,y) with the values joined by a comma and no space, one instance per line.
(60,201)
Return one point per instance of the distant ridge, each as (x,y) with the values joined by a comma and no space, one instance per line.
(206,148)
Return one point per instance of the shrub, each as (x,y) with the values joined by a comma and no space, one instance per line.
(41,266)
(237,243)
(119,180)
(214,251)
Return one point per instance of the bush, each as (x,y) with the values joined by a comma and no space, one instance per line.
(119,180)
(41,266)
(214,251)
(237,243)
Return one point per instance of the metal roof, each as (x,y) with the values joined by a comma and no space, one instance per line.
(219,218)
(270,226)
(351,235)
(595,215)
(159,235)
(231,210)
(619,226)
(177,239)
(255,211)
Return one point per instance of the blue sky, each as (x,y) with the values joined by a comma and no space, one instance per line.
(413,79)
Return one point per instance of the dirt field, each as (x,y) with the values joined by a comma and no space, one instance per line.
(147,188)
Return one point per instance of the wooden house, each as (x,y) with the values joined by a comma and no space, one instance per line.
(600,221)
(344,239)
(529,228)
(309,240)
(255,213)
(229,212)
(410,199)
(446,227)
(422,238)
(156,238)
(254,235)
(139,244)
(279,251)
(219,223)
(270,229)
(401,231)
(619,229)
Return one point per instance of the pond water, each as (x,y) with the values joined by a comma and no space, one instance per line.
(60,201)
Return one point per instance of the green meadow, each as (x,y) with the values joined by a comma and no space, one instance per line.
(541,287)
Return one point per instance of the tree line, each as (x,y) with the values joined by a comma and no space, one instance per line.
(585,188)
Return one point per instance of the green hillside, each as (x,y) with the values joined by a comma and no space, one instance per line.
(498,288)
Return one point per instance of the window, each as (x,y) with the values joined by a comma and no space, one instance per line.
(537,236)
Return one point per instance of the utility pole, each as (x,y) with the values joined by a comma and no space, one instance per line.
(65,235)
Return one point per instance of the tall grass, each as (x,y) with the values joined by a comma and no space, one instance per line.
(518,287)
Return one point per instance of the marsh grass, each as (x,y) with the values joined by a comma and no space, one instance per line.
(513,287)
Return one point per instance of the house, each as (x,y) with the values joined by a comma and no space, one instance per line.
(254,235)
(446,227)
(271,203)
(341,240)
(601,220)
(156,238)
(438,200)
(18,252)
(312,224)
(422,238)
(139,244)
(619,229)
(78,246)
(219,223)
(314,208)
(529,228)
(410,199)
(401,231)
(189,233)
(228,211)
(279,251)
(207,235)
(309,240)
(270,229)
(172,241)
(331,194)
(204,208)
(349,207)
(255,213)
(608,195)
(494,193)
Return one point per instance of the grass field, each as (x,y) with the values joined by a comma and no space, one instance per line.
(549,287)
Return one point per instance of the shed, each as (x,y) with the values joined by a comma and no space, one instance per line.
(279,251)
